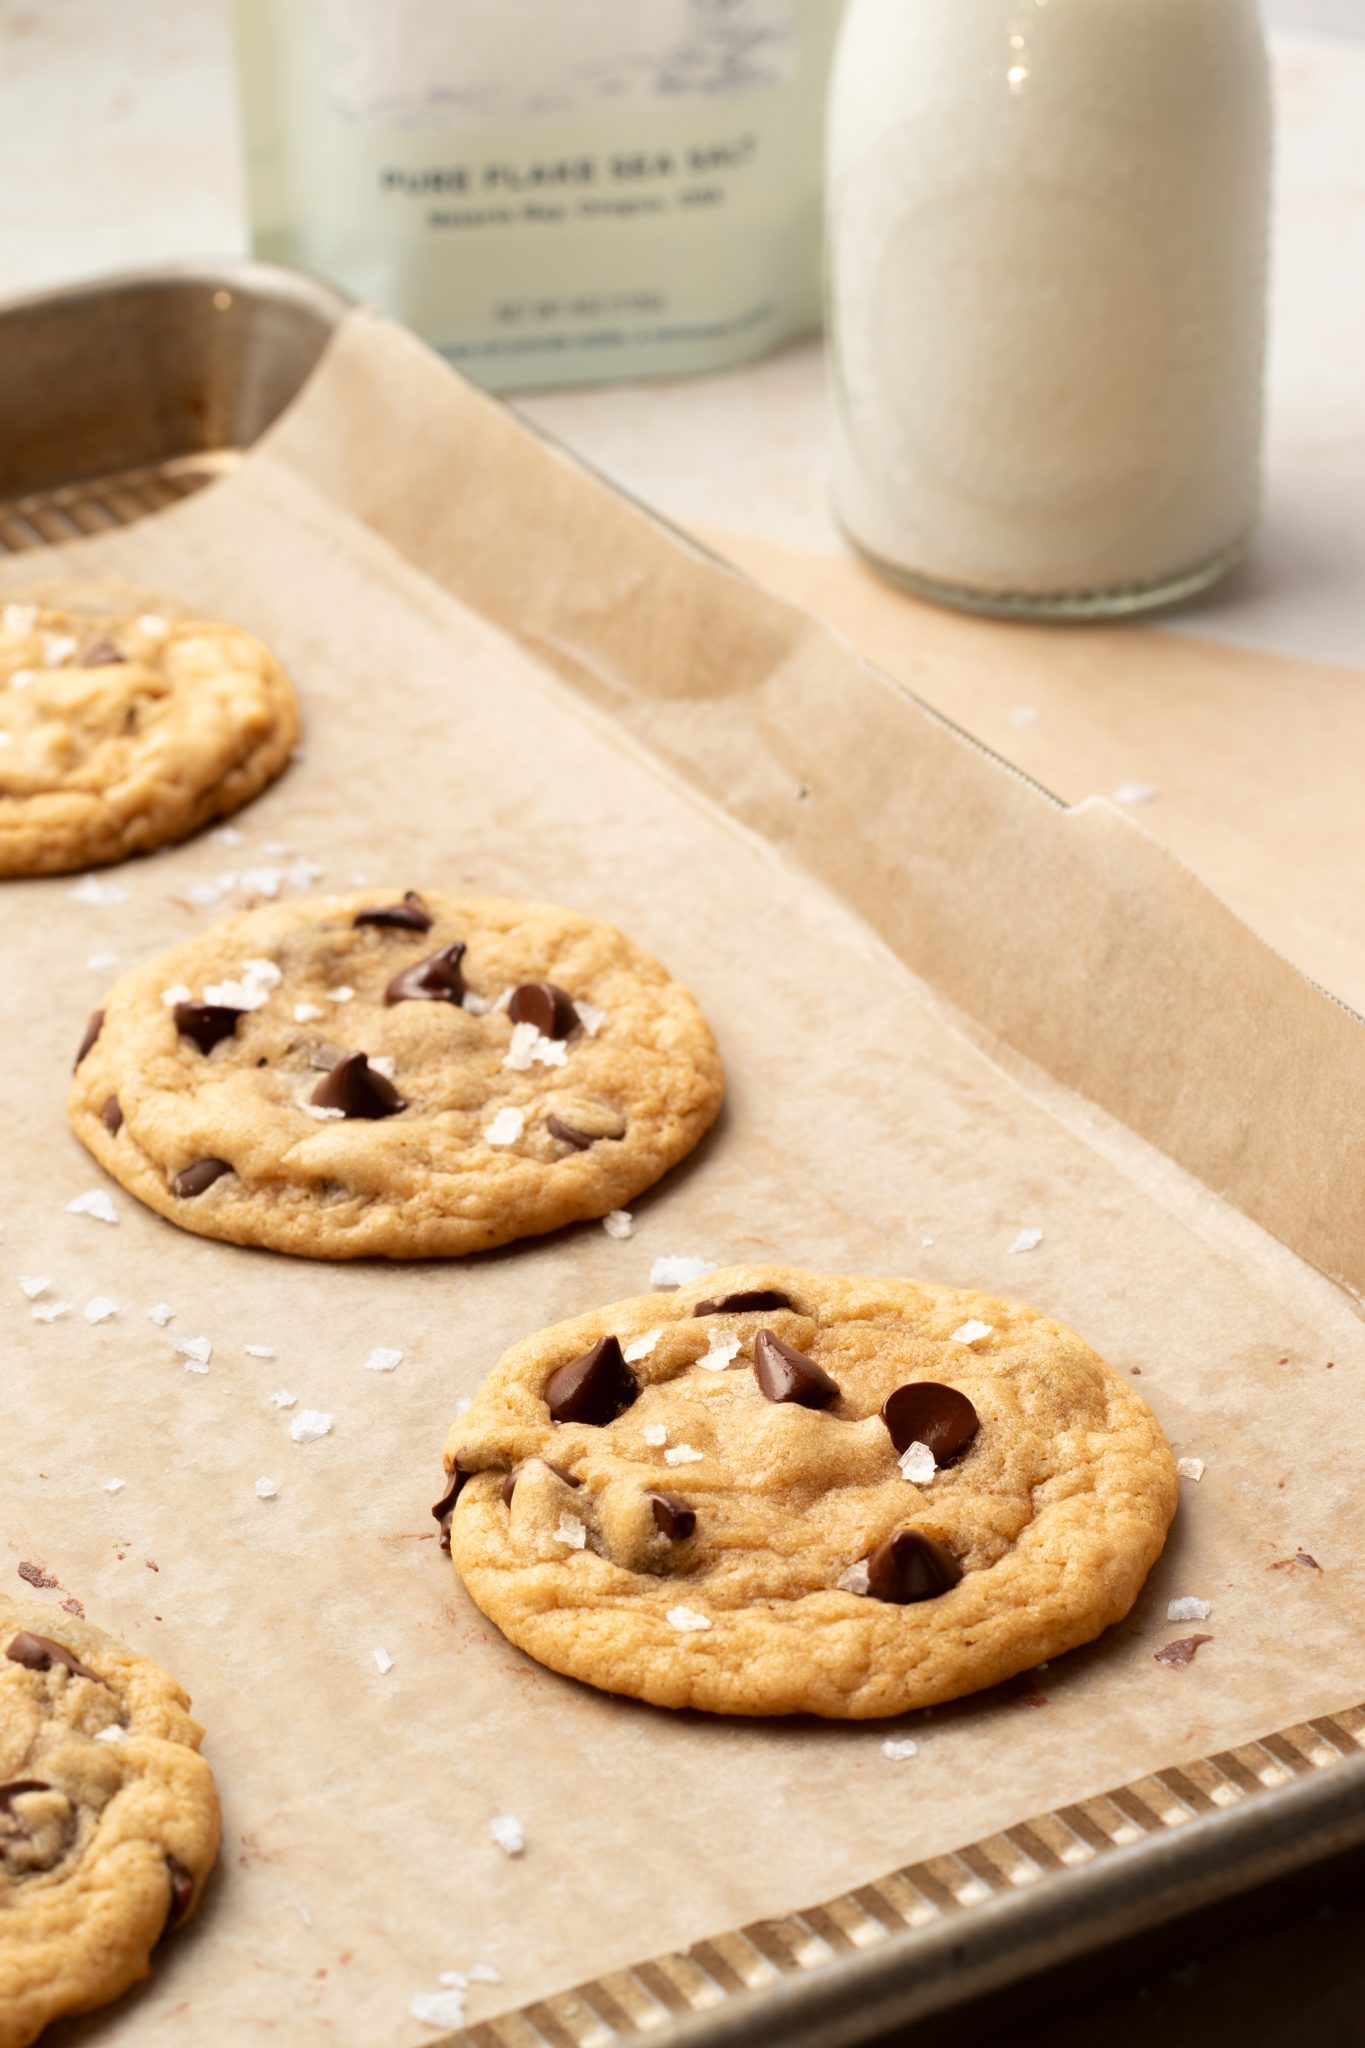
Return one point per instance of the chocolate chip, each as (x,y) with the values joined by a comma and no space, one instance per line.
(92,1032)
(787,1375)
(742,1303)
(100,653)
(928,1413)
(10,1792)
(206,1023)
(182,1893)
(1181,1652)
(200,1174)
(445,1506)
(509,1484)
(356,1089)
(437,979)
(41,1653)
(557,1128)
(910,1567)
(549,1008)
(411,915)
(111,1116)
(673,1516)
(592,1388)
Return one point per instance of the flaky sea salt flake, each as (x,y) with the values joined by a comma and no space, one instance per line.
(1188,1609)
(113,1733)
(308,1425)
(226,835)
(152,626)
(19,618)
(970,1332)
(571,1531)
(176,993)
(641,1346)
(114,1485)
(590,1017)
(508,1832)
(619,1223)
(261,882)
(50,1311)
(722,1347)
(91,890)
(678,1272)
(96,1203)
(266,1489)
(342,994)
(506,1127)
(58,648)
(160,1313)
(32,1285)
(1026,1240)
(687,1621)
(484,1973)
(438,2008)
(306,1013)
(917,1464)
(854,1578)
(530,1046)
(1190,1468)
(683,1454)
(282,1399)
(259,1350)
(1136,793)
(656,1434)
(196,1352)
(99,1308)
(383,1661)
(383,1359)
(897,1748)
(100,963)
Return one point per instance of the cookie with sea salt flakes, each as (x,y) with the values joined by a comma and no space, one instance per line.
(108,1816)
(395,1074)
(780,1492)
(120,733)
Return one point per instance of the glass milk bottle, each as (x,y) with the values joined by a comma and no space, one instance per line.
(1046,274)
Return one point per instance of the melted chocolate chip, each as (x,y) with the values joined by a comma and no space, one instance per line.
(785,1374)
(557,1128)
(200,1174)
(100,653)
(411,915)
(1181,1652)
(111,1116)
(509,1484)
(92,1032)
(437,979)
(927,1412)
(356,1089)
(182,1893)
(549,1008)
(910,1567)
(747,1300)
(445,1506)
(594,1388)
(10,1792)
(206,1023)
(36,1576)
(674,1517)
(41,1653)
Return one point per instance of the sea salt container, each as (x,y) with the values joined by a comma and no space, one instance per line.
(1046,269)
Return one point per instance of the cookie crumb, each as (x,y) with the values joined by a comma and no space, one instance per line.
(508,1833)
(308,1425)
(898,1747)
(383,1359)
(383,1661)
(95,1203)
(1190,1468)
(970,1332)
(266,1489)
(686,1620)
(1187,1609)
(618,1223)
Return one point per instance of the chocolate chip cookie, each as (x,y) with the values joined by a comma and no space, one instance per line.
(120,734)
(778,1492)
(394,1073)
(108,1816)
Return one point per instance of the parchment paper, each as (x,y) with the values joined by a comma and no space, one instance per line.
(511,681)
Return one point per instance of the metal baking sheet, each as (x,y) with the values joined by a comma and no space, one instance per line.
(120,399)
